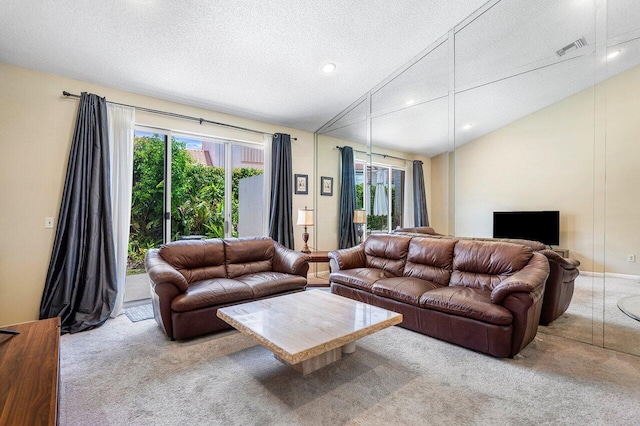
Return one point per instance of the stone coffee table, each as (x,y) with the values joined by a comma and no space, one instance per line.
(309,329)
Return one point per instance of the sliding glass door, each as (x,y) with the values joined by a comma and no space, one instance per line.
(147,198)
(187,187)
(198,184)
(214,188)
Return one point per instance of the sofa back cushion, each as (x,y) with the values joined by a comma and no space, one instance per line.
(430,259)
(484,264)
(387,252)
(248,255)
(533,245)
(196,260)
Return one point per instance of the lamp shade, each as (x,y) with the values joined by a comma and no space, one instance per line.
(359,216)
(305,217)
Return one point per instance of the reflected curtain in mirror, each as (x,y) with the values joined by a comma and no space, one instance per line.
(421,216)
(347,229)
(281,209)
(81,281)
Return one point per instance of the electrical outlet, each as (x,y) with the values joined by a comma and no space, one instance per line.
(48,222)
(631,258)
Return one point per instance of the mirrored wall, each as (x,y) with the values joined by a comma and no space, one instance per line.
(523,106)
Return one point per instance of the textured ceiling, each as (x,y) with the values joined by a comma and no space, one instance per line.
(256,59)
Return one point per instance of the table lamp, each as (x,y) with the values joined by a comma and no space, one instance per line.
(305,218)
(360,218)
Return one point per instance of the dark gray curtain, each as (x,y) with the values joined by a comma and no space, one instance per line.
(398,198)
(347,232)
(420,214)
(280,213)
(81,281)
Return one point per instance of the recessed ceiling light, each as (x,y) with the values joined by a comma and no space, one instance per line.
(467,126)
(329,68)
(614,54)
(411,101)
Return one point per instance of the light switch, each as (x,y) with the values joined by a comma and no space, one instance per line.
(48,222)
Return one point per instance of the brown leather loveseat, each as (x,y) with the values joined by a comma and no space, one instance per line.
(486,296)
(562,272)
(190,280)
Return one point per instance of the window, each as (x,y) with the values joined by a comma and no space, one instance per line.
(384,199)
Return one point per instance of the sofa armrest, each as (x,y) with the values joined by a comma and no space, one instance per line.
(567,264)
(160,271)
(289,261)
(530,279)
(347,258)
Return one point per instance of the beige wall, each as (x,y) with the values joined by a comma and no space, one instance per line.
(36,125)
(552,160)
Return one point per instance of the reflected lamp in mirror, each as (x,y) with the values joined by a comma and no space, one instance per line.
(305,218)
(360,218)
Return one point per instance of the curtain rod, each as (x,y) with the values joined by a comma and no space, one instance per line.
(378,154)
(184,117)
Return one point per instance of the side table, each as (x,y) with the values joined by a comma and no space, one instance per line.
(318,257)
(562,252)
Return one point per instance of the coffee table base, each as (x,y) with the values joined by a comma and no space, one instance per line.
(317,362)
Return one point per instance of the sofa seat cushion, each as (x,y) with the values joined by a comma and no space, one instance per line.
(207,293)
(266,283)
(362,278)
(466,302)
(403,289)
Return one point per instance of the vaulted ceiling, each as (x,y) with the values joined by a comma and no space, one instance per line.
(256,59)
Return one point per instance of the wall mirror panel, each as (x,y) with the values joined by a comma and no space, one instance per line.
(622,197)
(423,81)
(349,128)
(525,133)
(524,106)
(510,37)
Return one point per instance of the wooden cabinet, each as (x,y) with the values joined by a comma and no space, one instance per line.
(29,373)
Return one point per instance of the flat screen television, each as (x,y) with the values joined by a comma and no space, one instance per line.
(543,226)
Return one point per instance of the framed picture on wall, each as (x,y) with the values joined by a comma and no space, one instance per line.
(326,185)
(301,184)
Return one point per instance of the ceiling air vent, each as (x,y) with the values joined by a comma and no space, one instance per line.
(581,42)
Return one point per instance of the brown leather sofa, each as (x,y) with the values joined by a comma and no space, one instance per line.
(190,280)
(560,284)
(485,296)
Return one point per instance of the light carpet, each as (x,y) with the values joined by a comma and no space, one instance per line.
(130,373)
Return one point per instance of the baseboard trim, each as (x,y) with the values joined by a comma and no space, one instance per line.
(609,275)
